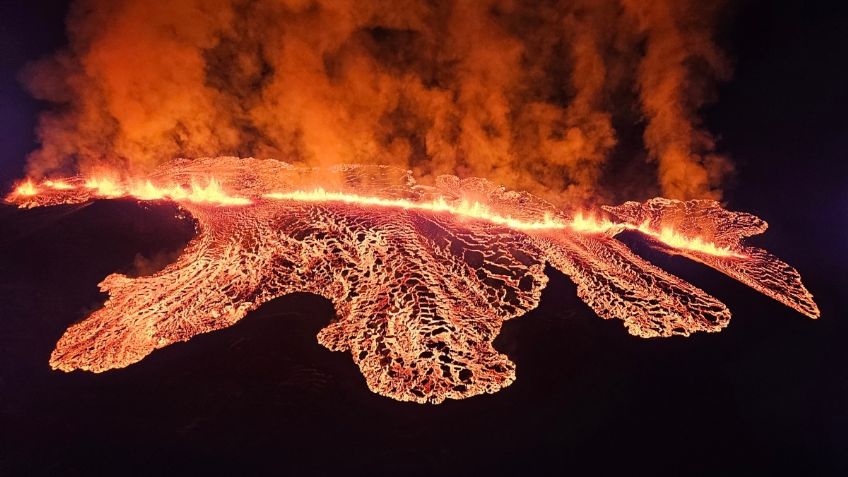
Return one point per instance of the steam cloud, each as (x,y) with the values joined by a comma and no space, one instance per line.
(523,93)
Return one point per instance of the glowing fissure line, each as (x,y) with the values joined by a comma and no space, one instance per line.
(214,194)
(477,210)
(106,187)
(665,235)
(674,239)
(464,208)
(211,193)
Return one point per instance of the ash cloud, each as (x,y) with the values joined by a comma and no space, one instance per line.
(523,93)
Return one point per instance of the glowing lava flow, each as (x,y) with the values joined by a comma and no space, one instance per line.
(667,235)
(104,187)
(58,185)
(752,266)
(476,210)
(421,277)
(25,189)
(463,208)
(212,193)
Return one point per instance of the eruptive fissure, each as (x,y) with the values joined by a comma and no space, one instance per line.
(422,277)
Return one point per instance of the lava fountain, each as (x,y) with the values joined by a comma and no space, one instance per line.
(422,277)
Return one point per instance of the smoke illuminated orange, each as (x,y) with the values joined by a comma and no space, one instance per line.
(497,108)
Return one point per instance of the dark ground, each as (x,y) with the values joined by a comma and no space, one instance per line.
(768,396)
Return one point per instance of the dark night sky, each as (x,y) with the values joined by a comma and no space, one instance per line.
(768,396)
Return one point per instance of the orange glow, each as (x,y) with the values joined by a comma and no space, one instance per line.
(105,187)
(473,210)
(666,235)
(58,185)
(420,294)
(26,188)
(592,225)
(674,239)
(213,193)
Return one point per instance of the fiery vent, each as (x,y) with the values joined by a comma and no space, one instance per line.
(421,277)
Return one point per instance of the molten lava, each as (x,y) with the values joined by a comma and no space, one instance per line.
(463,208)
(105,187)
(421,277)
(667,235)
(57,184)
(212,193)
(25,189)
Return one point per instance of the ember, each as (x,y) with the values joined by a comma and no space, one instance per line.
(421,277)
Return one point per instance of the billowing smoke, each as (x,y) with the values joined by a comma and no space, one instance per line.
(525,93)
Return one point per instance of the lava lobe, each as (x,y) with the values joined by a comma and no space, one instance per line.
(420,292)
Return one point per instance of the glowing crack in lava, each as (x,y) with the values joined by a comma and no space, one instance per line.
(422,277)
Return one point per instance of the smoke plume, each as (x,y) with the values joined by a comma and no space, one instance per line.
(525,93)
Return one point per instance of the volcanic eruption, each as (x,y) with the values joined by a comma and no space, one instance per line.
(438,156)
(422,276)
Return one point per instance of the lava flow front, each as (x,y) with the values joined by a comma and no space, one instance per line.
(421,277)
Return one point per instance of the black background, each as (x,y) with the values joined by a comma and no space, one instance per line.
(767,396)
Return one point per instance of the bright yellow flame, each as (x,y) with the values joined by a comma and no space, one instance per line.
(211,193)
(591,225)
(26,188)
(105,187)
(147,191)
